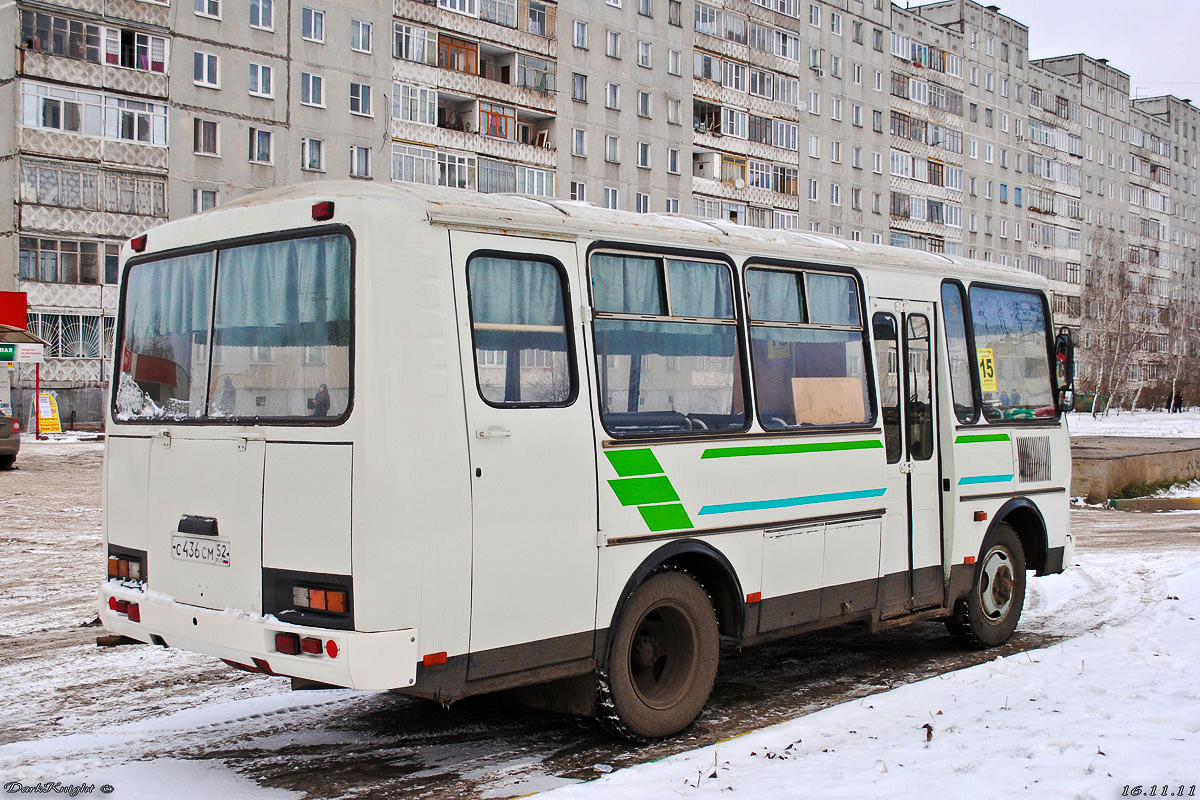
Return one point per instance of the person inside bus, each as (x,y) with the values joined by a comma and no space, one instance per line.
(320,402)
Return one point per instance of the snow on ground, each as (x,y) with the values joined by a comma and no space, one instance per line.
(1084,718)
(1157,424)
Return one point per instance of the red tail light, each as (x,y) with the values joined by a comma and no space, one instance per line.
(322,211)
(311,644)
(331,648)
(138,244)
(135,612)
(287,643)
(16,427)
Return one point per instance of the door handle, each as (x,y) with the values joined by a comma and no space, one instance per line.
(493,432)
(905,467)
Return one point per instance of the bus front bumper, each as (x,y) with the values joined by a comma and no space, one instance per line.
(371,661)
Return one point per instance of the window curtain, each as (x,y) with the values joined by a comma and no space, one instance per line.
(627,285)
(833,299)
(285,294)
(168,298)
(700,289)
(774,296)
(508,292)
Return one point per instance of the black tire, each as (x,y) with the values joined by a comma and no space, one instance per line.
(988,615)
(7,462)
(662,659)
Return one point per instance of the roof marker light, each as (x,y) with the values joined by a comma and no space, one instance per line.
(138,244)
(322,211)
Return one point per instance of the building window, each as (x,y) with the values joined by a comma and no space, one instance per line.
(579,142)
(612,146)
(673,160)
(57,108)
(204,136)
(580,34)
(497,121)
(671,206)
(360,161)
(60,36)
(643,104)
(611,197)
(579,87)
(208,8)
(260,146)
(312,155)
(135,121)
(312,25)
(360,36)
(579,191)
(262,14)
(643,155)
(459,6)
(641,203)
(614,45)
(414,103)
(411,43)
(458,54)
(644,54)
(205,69)
(203,200)
(612,96)
(312,90)
(360,99)
(260,80)
(62,186)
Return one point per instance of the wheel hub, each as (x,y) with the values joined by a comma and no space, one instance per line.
(662,656)
(996,584)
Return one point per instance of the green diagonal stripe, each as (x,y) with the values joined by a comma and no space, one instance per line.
(783,449)
(634,462)
(639,491)
(982,437)
(666,518)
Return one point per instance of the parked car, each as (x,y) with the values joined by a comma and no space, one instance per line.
(10,441)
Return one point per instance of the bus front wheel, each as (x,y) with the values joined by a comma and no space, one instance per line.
(988,616)
(662,660)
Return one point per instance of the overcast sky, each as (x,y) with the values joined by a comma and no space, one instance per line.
(1156,41)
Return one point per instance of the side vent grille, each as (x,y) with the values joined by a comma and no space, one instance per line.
(1033,458)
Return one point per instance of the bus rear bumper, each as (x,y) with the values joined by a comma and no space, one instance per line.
(371,661)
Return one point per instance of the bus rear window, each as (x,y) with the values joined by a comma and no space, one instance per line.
(274,317)
(1012,353)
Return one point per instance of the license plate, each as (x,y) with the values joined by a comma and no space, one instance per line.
(201,550)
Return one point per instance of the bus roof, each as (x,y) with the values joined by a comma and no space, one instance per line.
(519,214)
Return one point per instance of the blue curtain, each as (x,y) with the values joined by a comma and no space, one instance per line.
(289,293)
(627,285)
(700,289)
(833,299)
(775,296)
(510,292)
(168,298)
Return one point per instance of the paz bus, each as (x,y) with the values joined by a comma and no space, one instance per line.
(399,437)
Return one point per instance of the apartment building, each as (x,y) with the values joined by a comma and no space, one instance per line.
(927,128)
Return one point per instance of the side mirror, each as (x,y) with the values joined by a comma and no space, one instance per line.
(1064,359)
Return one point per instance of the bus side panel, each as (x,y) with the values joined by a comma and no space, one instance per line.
(126,482)
(412,513)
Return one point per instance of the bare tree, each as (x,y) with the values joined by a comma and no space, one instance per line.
(1119,316)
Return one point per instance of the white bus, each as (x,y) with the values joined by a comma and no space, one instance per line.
(443,442)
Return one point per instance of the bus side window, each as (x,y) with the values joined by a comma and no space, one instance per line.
(806,345)
(962,385)
(667,354)
(918,405)
(887,369)
(1012,346)
(518,320)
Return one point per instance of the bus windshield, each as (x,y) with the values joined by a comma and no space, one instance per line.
(253,332)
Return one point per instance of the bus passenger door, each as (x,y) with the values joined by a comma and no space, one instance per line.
(533,473)
(911,548)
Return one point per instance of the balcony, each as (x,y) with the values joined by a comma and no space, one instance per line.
(533,29)
(35,64)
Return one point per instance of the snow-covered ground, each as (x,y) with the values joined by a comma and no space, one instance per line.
(1088,717)
(1158,424)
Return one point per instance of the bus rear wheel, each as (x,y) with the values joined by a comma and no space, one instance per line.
(662,660)
(988,616)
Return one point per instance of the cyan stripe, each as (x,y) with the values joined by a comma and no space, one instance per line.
(760,505)
(985,479)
